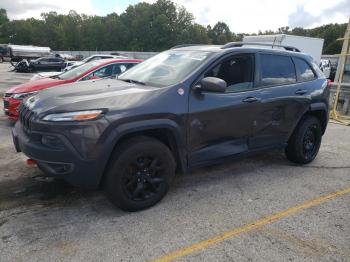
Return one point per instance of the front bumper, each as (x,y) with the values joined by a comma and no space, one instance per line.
(10,107)
(62,161)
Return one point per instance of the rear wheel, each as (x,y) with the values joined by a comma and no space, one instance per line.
(140,174)
(305,141)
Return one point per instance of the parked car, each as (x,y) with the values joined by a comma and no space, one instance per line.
(334,66)
(325,66)
(183,108)
(93,58)
(51,73)
(47,64)
(41,64)
(92,70)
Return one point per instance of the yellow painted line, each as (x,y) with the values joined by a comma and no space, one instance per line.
(249,227)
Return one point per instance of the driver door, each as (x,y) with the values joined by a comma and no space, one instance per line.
(220,124)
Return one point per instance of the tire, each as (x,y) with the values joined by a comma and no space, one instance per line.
(139,174)
(305,141)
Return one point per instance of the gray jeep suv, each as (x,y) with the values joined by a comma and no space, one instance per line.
(186,107)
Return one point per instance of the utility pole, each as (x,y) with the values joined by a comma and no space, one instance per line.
(342,79)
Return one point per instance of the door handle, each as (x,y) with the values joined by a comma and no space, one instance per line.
(301,92)
(250,99)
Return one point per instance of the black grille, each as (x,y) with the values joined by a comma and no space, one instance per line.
(6,104)
(7,94)
(25,117)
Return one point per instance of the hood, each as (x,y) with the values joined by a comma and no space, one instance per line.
(95,94)
(36,85)
(44,75)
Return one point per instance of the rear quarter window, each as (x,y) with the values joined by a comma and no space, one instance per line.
(276,70)
(304,70)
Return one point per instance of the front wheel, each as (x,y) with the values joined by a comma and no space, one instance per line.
(139,174)
(305,141)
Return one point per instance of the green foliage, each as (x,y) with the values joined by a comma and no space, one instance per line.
(142,27)
(3,16)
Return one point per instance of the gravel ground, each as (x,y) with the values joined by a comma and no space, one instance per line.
(48,220)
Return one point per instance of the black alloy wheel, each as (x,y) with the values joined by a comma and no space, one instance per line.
(139,174)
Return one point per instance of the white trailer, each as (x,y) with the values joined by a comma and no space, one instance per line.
(309,45)
(18,52)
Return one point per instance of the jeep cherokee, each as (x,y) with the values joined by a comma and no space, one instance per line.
(186,107)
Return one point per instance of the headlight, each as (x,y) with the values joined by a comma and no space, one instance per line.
(23,95)
(73,116)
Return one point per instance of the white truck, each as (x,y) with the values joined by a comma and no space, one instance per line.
(18,52)
(310,45)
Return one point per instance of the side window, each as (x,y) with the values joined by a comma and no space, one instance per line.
(121,68)
(95,58)
(118,69)
(54,60)
(237,71)
(305,72)
(100,73)
(276,70)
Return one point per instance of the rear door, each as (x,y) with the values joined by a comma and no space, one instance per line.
(282,101)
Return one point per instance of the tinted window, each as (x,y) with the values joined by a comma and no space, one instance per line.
(77,71)
(121,68)
(105,71)
(305,72)
(277,70)
(236,71)
(93,58)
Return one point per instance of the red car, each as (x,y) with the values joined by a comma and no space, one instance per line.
(92,70)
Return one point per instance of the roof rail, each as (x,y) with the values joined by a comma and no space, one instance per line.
(184,45)
(240,44)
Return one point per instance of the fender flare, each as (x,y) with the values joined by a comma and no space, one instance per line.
(122,130)
(319,106)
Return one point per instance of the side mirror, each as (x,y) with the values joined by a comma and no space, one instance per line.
(212,84)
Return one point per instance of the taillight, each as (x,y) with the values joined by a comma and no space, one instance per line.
(329,83)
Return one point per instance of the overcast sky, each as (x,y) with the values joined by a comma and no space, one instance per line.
(246,16)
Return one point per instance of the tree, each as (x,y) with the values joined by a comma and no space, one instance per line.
(3,16)
(220,34)
(141,27)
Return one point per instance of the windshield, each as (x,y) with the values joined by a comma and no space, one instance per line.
(77,71)
(167,68)
(87,59)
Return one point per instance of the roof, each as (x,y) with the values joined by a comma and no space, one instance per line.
(251,48)
(279,36)
(115,60)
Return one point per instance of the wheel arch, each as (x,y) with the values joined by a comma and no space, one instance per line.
(318,110)
(164,130)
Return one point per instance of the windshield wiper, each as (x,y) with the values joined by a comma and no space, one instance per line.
(133,81)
